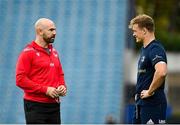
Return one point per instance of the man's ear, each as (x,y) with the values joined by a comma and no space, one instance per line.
(144,31)
(39,31)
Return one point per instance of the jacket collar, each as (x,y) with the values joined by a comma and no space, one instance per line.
(37,47)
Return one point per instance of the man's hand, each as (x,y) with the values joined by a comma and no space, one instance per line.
(62,90)
(146,94)
(52,92)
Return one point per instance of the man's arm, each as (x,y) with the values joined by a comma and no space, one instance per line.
(23,67)
(62,88)
(159,77)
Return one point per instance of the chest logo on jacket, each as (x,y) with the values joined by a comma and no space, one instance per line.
(142,58)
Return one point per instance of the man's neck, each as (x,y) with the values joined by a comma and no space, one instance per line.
(41,43)
(148,39)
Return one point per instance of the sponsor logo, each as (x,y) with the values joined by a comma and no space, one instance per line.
(51,64)
(142,58)
(150,122)
(56,55)
(141,70)
(38,54)
(162,121)
(156,57)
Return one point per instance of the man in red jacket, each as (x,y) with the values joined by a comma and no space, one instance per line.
(39,73)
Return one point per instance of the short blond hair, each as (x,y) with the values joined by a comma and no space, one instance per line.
(143,21)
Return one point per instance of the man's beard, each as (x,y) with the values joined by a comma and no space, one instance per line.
(48,40)
(138,40)
(51,40)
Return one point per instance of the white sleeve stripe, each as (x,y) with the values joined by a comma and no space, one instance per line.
(161,62)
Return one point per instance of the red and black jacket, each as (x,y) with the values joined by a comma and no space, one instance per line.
(36,69)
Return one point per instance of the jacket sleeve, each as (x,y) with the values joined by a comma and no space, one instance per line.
(23,68)
(61,75)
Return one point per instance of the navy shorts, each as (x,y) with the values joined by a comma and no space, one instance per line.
(152,114)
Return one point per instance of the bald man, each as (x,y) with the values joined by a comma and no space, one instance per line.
(40,75)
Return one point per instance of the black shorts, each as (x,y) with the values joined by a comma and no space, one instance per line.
(155,114)
(42,113)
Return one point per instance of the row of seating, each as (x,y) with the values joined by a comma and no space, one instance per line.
(90,39)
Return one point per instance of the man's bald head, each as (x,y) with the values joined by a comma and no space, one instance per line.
(43,23)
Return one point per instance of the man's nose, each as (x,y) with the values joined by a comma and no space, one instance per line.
(54,32)
(134,34)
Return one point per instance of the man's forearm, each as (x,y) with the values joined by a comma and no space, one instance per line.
(157,82)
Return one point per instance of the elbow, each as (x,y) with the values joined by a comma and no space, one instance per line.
(163,74)
(19,80)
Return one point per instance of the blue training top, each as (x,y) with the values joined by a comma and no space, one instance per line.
(150,55)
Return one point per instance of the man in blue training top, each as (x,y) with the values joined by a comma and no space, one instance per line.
(150,98)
